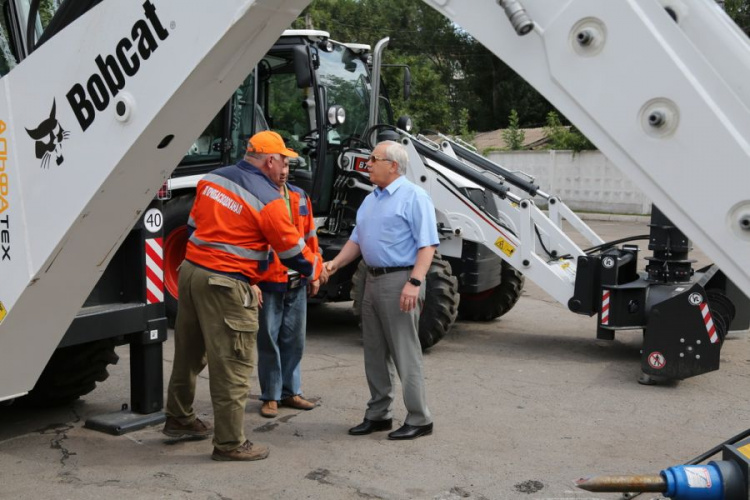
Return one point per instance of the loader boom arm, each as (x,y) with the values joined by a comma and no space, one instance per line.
(91,124)
(659,86)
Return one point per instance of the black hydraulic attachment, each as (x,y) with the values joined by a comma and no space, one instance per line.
(684,314)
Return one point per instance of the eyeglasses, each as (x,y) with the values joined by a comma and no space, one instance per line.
(374,158)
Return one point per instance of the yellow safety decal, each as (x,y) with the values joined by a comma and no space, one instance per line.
(3,312)
(504,246)
(745,450)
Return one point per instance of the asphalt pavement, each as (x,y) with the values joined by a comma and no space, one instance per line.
(523,406)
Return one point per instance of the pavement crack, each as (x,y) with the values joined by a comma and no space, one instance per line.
(56,443)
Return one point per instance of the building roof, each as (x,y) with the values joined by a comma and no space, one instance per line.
(534,138)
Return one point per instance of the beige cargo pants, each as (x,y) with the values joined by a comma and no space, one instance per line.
(217,324)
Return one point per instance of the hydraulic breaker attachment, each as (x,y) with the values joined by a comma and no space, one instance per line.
(684,315)
(683,324)
(681,338)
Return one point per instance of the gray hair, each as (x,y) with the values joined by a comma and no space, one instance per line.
(396,152)
(259,156)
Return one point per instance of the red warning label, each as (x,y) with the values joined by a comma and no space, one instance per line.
(656,360)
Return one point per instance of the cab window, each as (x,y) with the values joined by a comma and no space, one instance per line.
(207,147)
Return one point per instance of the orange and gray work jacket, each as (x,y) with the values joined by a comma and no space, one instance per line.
(237,217)
(279,278)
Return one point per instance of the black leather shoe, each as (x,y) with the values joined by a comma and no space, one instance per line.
(370,426)
(407,431)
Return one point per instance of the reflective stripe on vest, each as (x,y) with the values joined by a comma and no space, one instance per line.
(235,189)
(245,253)
(297,249)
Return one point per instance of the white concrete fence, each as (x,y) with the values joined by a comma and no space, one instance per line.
(585,181)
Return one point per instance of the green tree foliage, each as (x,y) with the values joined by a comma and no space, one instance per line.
(564,138)
(463,126)
(418,35)
(451,71)
(739,11)
(429,106)
(491,89)
(452,74)
(47,9)
(513,135)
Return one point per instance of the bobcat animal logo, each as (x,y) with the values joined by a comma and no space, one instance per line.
(49,136)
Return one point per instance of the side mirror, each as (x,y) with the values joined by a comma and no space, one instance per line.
(407,83)
(302,67)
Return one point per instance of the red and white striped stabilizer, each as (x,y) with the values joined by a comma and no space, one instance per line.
(154,271)
(605,307)
(710,327)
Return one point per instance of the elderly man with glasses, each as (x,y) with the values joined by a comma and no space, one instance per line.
(396,234)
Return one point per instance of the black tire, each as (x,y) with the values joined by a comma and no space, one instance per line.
(722,305)
(358,288)
(441,303)
(71,373)
(493,303)
(722,310)
(176,213)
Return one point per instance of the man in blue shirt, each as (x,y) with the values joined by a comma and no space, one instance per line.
(396,234)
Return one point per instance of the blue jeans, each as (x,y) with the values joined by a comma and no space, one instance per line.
(281,341)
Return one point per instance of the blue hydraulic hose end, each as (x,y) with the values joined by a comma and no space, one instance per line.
(722,480)
(688,482)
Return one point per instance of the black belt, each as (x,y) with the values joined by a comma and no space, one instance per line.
(378,271)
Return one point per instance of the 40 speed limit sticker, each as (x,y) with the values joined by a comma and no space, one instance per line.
(153,220)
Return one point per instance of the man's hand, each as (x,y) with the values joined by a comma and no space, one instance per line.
(331,267)
(409,297)
(324,275)
(312,288)
(258,293)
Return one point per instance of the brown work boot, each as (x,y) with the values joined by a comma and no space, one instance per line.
(197,429)
(298,403)
(269,409)
(245,453)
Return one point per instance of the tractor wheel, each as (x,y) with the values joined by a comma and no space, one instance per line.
(441,301)
(357,291)
(72,372)
(495,302)
(176,213)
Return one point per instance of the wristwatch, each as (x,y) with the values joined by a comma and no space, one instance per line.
(415,282)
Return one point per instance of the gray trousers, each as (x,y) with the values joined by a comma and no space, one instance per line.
(391,338)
